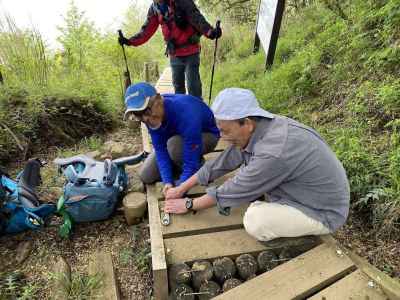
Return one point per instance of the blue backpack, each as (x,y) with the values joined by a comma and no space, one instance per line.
(20,208)
(92,188)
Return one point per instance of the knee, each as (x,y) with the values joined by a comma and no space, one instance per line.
(249,222)
(146,177)
(256,224)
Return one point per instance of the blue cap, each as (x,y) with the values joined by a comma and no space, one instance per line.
(137,96)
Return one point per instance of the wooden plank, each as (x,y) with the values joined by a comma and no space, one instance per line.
(390,286)
(210,245)
(204,221)
(101,265)
(199,189)
(296,279)
(356,286)
(159,265)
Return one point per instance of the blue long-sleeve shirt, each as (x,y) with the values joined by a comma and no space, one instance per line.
(188,117)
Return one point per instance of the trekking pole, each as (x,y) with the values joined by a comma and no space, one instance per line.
(217,25)
(127,74)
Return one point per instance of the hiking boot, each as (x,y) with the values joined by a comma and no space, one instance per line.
(302,242)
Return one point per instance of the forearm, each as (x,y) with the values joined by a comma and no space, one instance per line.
(203,202)
(188,184)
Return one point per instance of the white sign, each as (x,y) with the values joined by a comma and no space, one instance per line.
(265,22)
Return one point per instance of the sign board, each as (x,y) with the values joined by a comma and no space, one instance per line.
(268,24)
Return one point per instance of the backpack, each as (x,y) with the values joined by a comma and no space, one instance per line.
(92,188)
(20,208)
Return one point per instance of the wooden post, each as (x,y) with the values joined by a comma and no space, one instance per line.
(157,75)
(146,72)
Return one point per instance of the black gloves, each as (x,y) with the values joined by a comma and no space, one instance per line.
(215,33)
(123,40)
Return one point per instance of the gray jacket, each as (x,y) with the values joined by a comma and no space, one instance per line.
(290,163)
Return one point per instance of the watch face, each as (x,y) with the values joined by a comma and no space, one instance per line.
(189,203)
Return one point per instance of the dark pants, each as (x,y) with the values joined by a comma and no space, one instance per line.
(186,66)
(149,172)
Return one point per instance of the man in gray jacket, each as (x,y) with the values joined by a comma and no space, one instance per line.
(306,186)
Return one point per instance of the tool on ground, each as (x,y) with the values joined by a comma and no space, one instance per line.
(217,25)
(166,220)
(127,74)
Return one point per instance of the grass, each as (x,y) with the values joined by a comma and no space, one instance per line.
(341,77)
(13,285)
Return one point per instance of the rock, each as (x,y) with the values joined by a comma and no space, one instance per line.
(117,149)
(224,268)
(202,271)
(23,251)
(158,191)
(135,184)
(62,280)
(182,292)
(246,266)
(208,290)
(94,154)
(179,273)
(267,260)
(230,284)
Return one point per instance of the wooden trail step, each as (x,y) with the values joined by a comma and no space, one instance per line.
(325,272)
(354,286)
(211,245)
(297,278)
(102,267)
(159,265)
(204,221)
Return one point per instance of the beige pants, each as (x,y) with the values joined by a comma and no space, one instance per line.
(266,221)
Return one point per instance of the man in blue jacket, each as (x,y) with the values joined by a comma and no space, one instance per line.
(182,129)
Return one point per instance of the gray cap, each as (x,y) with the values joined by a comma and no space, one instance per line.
(237,103)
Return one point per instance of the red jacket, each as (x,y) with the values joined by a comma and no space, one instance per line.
(179,26)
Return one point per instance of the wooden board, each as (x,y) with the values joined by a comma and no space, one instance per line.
(296,279)
(159,265)
(199,189)
(355,286)
(210,246)
(101,265)
(204,221)
(390,286)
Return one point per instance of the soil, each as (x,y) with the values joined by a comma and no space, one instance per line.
(128,244)
(381,252)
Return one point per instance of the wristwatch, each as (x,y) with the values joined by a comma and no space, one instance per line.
(189,204)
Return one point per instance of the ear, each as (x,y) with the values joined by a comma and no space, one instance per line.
(251,124)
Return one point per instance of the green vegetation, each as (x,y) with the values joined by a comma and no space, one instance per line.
(13,285)
(336,69)
(56,97)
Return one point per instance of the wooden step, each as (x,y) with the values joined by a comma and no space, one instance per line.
(159,266)
(101,265)
(210,246)
(354,286)
(296,279)
(203,221)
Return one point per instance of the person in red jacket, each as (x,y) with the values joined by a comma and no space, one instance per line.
(182,25)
